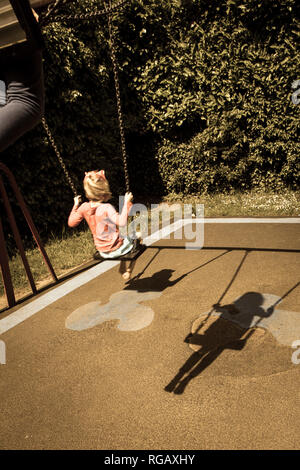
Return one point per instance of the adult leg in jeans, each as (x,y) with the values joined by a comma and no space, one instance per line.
(23,76)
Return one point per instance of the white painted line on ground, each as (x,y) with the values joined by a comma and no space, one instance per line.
(41,302)
(248,220)
(30,309)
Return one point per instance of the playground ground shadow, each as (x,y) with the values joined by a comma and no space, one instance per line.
(220,335)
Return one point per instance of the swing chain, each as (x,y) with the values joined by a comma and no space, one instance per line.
(59,157)
(108,10)
(83,16)
(118,96)
(50,9)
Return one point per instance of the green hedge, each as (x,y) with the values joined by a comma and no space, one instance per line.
(206,96)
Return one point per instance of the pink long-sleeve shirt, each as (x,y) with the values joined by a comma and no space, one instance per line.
(103,221)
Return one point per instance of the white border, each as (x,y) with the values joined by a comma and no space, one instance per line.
(57,293)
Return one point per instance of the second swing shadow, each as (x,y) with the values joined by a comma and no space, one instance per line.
(220,335)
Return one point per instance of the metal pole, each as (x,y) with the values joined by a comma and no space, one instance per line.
(28,218)
(16,234)
(8,286)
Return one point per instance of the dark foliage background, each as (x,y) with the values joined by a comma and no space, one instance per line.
(206,96)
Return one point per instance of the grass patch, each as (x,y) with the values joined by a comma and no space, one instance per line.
(70,251)
(251,204)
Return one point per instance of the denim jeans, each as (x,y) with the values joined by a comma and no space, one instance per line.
(22,72)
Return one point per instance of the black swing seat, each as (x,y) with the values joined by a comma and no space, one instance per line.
(138,249)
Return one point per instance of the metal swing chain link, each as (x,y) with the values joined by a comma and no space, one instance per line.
(118,97)
(59,157)
(51,7)
(50,10)
(83,16)
(107,10)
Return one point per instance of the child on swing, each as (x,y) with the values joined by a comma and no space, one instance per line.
(102,218)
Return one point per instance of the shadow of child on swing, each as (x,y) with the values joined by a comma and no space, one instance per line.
(229,328)
(158,282)
(161,280)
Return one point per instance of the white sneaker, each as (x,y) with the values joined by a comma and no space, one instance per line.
(138,235)
(126,275)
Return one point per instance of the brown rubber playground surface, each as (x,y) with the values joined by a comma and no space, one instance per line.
(227,386)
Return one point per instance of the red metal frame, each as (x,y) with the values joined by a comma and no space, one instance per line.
(8,285)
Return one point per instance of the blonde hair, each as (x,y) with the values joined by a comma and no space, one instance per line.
(96,186)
